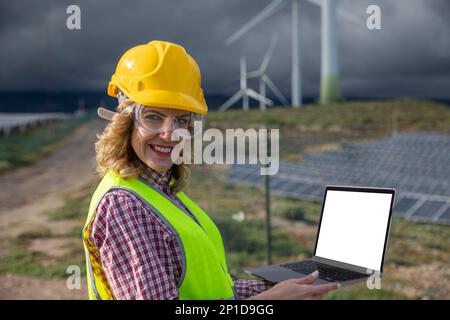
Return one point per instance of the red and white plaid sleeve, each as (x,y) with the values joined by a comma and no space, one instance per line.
(247,288)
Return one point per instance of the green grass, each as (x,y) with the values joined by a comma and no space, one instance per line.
(21,260)
(21,148)
(249,236)
(296,209)
(360,292)
(75,207)
(293,213)
(30,263)
(413,243)
(362,117)
(32,234)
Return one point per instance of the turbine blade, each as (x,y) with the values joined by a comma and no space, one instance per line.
(231,101)
(257,96)
(270,9)
(269,53)
(342,13)
(254,74)
(316,2)
(275,90)
(348,16)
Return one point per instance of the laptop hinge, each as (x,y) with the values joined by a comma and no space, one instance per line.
(343,265)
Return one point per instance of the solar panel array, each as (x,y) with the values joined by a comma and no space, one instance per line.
(417,165)
(11,121)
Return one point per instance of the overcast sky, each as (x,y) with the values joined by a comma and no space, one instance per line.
(410,56)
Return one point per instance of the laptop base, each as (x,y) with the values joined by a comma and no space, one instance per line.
(277,273)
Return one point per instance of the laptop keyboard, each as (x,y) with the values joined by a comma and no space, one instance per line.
(326,272)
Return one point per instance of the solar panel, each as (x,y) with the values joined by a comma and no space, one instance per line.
(319,192)
(305,185)
(286,187)
(404,204)
(299,186)
(312,190)
(276,182)
(254,178)
(416,164)
(445,216)
(428,209)
(245,174)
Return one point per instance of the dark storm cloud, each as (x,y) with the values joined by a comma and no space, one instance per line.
(410,56)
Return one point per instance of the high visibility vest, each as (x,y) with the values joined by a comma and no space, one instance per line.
(204,269)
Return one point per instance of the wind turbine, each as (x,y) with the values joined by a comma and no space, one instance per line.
(264,78)
(329,68)
(244,92)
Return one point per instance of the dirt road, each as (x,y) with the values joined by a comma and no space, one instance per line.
(28,192)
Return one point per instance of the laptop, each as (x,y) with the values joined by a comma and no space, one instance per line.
(351,240)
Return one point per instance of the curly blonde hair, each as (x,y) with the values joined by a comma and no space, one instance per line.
(115,153)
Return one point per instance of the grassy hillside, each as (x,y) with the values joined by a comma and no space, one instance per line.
(318,128)
(363,117)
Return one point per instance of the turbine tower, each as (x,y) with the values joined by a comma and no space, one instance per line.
(330,90)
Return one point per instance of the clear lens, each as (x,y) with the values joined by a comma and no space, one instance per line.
(196,122)
(156,122)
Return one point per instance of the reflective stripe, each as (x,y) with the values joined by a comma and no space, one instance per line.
(87,252)
(236,296)
(91,276)
(174,203)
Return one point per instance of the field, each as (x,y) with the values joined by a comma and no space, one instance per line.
(41,217)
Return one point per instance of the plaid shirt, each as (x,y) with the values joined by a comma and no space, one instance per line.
(140,256)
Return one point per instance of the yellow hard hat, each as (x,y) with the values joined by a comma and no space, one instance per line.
(159,74)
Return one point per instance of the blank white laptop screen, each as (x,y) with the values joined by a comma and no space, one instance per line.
(353,228)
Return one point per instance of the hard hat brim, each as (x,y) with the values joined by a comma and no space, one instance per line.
(167,99)
(170,99)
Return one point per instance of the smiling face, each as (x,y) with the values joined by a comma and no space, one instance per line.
(154,147)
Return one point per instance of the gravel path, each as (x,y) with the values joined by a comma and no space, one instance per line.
(29,191)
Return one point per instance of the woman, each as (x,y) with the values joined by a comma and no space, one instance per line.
(144,238)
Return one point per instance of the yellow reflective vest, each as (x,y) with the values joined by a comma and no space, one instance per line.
(205,273)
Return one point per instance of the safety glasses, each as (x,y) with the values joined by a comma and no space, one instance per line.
(154,121)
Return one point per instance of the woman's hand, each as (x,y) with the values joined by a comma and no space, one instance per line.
(297,289)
